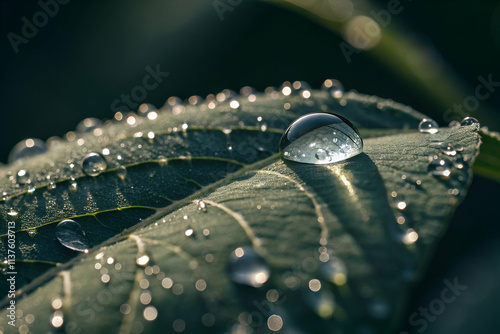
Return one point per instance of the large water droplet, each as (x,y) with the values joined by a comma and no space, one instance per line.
(22,177)
(94,164)
(70,235)
(334,87)
(428,126)
(27,148)
(247,267)
(469,121)
(439,167)
(88,125)
(320,138)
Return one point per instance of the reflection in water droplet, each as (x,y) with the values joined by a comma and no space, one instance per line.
(247,267)
(428,126)
(27,148)
(88,125)
(439,167)
(31,232)
(70,234)
(56,319)
(12,215)
(469,121)
(22,177)
(334,87)
(202,206)
(121,171)
(150,313)
(410,237)
(320,138)
(145,109)
(94,164)
(459,161)
(73,185)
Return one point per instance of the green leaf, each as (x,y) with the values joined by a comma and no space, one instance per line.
(488,162)
(330,225)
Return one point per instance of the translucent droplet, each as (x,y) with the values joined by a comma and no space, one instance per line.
(439,167)
(73,185)
(121,171)
(162,161)
(70,235)
(334,87)
(454,124)
(32,232)
(448,149)
(469,121)
(27,148)
(428,126)
(189,232)
(12,215)
(94,164)
(142,260)
(320,138)
(145,109)
(22,177)
(88,125)
(247,267)
(202,206)
(459,161)
(195,100)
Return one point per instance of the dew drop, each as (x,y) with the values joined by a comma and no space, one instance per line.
(94,164)
(32,232)
(70,235)
(12,215)
(23,177)
(142,260)
(88,125)
(454,124)
(320,138)
(162,161)
(439,167)
(145,109)
(459,161)
(189,232)
(73,185)
(121,171)
(247,267)
(428,126)
(27,148)
(469,121)
(202,206)
(448,149)
(334,87)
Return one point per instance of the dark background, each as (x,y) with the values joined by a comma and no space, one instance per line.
(91,52)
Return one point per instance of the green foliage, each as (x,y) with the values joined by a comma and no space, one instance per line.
(307,221)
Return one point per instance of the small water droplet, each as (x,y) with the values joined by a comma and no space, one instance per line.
(121,171)
(146,108)
(320,138)
(22,177)
(428,126)
(162,161)
(189,232)
(70,234)
(202,206)
(247,267)
(334,87)
(439,167)
(142,260)
(448,149)
(469,121)
(88,125)
(410,237)
(94,164)
(12,215)
(27,148)
(32,232)
(459,161)
(454,124)
(73,185)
